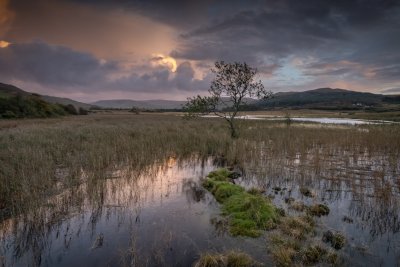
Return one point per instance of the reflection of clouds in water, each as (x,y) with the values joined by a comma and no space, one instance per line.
(352,181)
(119,200)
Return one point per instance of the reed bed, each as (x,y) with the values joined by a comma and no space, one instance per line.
(39,158)
(51,168)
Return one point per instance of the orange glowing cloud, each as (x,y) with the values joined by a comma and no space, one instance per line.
(161,60)
(4,44)
(112,34)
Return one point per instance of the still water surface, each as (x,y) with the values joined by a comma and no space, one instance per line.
(161,218)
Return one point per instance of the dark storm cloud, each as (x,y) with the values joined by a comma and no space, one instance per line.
(389,73)
(185,12)
(162,80)
(269,29)
(51,65)
(316,43)
(281,28)
(61,67)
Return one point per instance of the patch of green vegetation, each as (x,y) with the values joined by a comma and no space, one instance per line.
(33,106)
(248,213)
(225,190)
(222,190)
(318,210)
(221,174)
(228,259)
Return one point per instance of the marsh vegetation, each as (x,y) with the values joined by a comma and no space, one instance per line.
(126,190)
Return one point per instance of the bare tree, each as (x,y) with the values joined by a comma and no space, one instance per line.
(232,85)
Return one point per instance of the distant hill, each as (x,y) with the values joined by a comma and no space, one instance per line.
(322,98)
(142,104)
(16,103)
(327,98)
(150,104)
(7,90)
(65,101)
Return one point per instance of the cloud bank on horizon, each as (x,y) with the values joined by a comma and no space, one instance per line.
(90,50)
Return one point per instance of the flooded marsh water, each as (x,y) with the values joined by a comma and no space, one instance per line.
(161,218)
(362,192)
(127,191)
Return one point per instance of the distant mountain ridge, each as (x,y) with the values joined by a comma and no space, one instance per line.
(142,104)
(321,98)
(324,98)
(327,98)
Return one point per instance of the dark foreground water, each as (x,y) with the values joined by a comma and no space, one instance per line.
(361,190)
(163,217)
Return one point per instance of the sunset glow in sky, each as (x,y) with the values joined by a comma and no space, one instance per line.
(91,50)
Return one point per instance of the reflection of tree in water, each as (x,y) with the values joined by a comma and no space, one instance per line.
(366,184)
(194,191)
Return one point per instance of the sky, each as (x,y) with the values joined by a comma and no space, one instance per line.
(92,50)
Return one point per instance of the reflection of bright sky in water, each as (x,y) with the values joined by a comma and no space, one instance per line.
(163,218)
(161,215)
(316,120)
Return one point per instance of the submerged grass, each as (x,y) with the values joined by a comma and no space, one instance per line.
(290,245)
(40,158)
(249,213)
(34,152)
(318,210)
(227,259)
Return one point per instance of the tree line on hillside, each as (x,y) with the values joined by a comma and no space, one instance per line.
(33,106)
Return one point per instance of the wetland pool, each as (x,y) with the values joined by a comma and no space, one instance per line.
(163,217)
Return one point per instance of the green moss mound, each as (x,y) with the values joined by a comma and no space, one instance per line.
(248,213)
(222,190)
(220,175)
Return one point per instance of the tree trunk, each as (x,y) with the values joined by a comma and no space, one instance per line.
(234,133)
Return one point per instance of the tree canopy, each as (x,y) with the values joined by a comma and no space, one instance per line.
(233,85)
